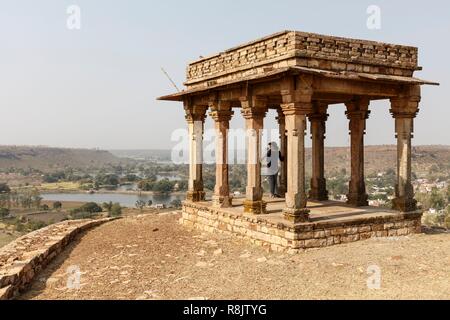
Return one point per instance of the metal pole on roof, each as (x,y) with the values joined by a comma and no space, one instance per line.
(170,79)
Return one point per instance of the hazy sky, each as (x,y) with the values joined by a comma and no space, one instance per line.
(96,87)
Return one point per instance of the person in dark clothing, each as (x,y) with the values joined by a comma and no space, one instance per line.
(271,167)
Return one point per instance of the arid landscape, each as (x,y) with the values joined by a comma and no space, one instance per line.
(153,257)
(378,158)
(209,158)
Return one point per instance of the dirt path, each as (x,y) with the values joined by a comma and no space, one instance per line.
(153,257)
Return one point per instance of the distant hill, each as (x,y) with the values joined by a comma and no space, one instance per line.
(51,159)
(377,158)
(153,155)
(381,158)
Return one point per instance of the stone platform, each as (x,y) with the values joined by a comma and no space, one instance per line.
(331,223)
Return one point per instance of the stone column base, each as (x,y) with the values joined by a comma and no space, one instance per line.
(296,215)
(222,201)
(318,195)
(281,190)
(358,199)
(195,196)
(255,207)
(404,204)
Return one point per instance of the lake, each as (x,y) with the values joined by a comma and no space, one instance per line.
(125,200)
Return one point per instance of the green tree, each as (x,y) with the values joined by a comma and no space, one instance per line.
(140,204)
(437,200)
(57,205)
(36,198)
(131,177)
(163,186)
(4,212)
(107,180)
(176,203)
(146,185)
(209,182)
(107,206)
(116,210)
(4,188)
(391,172)
(90,207)
(182,185)
(446,222)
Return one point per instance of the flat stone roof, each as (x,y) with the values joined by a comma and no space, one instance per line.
(298,52)
(297,70)
(295,48)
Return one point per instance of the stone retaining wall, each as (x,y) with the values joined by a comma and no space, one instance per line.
(284,238)
(23,258)
(293,48)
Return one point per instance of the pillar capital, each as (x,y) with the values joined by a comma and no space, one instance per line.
(318,117)
(296,94)
(297,89)
(297,108)
(319,112)
(250,101)
(221,115)
(357,109)
(253,113)
(406,104)
(195,112)
(219,105)
(253,106)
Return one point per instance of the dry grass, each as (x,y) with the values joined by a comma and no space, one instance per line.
(7,236)
(59,186)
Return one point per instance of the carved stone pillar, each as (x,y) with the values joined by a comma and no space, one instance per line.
(195,117)
(254,110)
(296,94)
(221,114)
(318,119)
(282,188)
(404,109)
(357,113)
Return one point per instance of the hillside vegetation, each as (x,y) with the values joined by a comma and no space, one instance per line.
(48,159)
(377,158)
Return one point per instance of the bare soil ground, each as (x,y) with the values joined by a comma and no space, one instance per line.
(153,257)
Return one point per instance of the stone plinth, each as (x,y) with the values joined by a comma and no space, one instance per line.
(331,223)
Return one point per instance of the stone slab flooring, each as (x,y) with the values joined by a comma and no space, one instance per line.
(325,211)
(154,257)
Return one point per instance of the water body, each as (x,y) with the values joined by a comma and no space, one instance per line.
(125,200)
